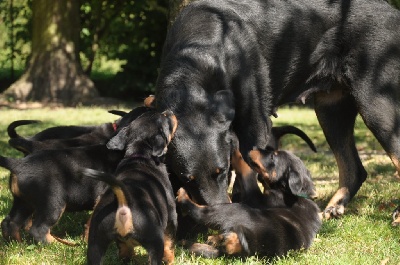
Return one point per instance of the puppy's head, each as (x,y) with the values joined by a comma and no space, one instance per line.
(282,170)
(148,135)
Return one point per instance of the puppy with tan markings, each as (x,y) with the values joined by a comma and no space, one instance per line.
(139,206)
(44,184)
(268,224)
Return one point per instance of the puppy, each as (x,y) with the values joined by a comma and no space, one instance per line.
(73,136)
(46,183)
(139,206)
(270,224)
(245,187)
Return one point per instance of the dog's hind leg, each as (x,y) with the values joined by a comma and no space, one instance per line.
(336,112)
(45,217)
(379,108)
(18,217)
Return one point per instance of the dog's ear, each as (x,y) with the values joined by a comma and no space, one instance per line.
(159,146)
(118,142)
(301,184)
(224,107)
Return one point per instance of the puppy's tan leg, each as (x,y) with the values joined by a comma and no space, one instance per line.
(232,244)
(169,251)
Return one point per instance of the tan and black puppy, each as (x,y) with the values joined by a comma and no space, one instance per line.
(46,183)
(139,206)
(268,224)
(73,136)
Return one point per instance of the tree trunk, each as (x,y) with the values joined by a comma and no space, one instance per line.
(54,73)
(175,6)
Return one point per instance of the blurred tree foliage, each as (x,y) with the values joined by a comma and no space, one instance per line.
(133,31)
(128,33)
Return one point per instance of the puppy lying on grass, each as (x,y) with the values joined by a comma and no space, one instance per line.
(139,206)
(282,220)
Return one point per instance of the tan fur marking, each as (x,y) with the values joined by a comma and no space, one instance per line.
(232,244)
(341,196)
(395,162)
(28,224)
(255,157)
(215,240)
(239,165)
(174,122)
(148,102)
(123,216)
(14,186)
(120,196)
(49,237)
(123,221)
(169,251)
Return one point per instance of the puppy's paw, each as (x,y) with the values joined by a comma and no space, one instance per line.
(215,240)
(333,212)
(204,250)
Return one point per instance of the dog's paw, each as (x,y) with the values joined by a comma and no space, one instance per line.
(215,240)
(204,250)
(332,212)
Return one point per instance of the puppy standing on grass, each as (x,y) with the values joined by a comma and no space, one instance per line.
(139,207)
(269,224)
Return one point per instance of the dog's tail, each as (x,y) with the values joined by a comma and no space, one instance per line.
(278,132)
(9,162)
(24,145)
(11,128)
(123,217)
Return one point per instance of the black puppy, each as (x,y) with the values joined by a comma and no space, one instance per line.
(245,180)
(72,136)
(139,207)
(69,136)
(269,224)
(46,183)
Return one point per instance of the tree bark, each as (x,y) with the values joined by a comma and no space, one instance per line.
(54,73)
(175,6)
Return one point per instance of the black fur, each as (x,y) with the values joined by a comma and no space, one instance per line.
(145,184)
(46,183)
(69,136)
(344,54)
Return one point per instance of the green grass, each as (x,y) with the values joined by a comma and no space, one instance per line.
(362,236)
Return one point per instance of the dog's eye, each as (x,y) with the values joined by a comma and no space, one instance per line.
(218,172)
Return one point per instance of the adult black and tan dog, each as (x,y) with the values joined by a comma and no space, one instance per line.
(231,63)
(139,206)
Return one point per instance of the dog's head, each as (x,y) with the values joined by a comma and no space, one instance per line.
(200,152)
(148,135)
(282,170)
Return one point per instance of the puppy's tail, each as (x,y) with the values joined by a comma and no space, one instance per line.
(8,163)
(123,216)
(11,128)
(278,132)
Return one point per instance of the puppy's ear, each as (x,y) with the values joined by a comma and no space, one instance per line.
(224,107)
(301,185)
(159,146)
(118,142)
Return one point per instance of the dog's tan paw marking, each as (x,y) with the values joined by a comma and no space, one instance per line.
(333,212)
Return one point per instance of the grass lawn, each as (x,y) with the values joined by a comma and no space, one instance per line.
(363,236)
